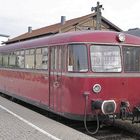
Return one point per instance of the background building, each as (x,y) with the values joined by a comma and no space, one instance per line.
(134,31)
(3,38)
(87,22)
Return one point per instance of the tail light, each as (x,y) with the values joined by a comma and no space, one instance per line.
(107,106)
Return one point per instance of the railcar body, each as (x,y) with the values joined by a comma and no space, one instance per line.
(78,75)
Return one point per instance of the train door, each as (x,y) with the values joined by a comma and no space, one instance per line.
(56,78)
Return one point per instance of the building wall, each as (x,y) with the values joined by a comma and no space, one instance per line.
(3,39)
(89,24)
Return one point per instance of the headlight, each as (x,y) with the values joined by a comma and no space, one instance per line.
(96,88)
(121,37)
(107,106)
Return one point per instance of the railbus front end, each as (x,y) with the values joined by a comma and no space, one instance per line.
(104,79)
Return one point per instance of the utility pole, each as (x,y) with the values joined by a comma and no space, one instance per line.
(97,9)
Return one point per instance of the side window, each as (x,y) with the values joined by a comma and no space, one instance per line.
(131,59)
(29,59)
(1,59)
(77,58)
(54,58)
(61,60)
(5,60)
(12,59)
(39,58)
(42,58)
(45,58)
(59,57)
(63,57)
(20,58)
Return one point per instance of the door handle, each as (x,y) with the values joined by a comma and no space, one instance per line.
(56,84)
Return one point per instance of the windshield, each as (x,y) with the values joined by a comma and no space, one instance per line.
(131,59)
(105,58)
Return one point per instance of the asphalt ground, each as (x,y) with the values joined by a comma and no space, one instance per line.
(20,123)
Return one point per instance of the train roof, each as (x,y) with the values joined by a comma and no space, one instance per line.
(73,37)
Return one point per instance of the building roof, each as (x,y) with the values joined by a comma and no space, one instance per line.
(54,29)
(135,31)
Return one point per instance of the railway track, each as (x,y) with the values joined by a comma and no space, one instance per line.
(106,132)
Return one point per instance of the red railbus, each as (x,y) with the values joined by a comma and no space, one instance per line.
(85,75)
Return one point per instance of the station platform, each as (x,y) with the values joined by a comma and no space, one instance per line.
(20,123)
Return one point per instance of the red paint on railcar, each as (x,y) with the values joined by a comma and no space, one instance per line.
(62,91)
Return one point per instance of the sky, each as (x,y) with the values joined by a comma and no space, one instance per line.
(17,15)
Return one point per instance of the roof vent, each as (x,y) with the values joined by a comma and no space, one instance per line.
(63,20)
(29,29)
